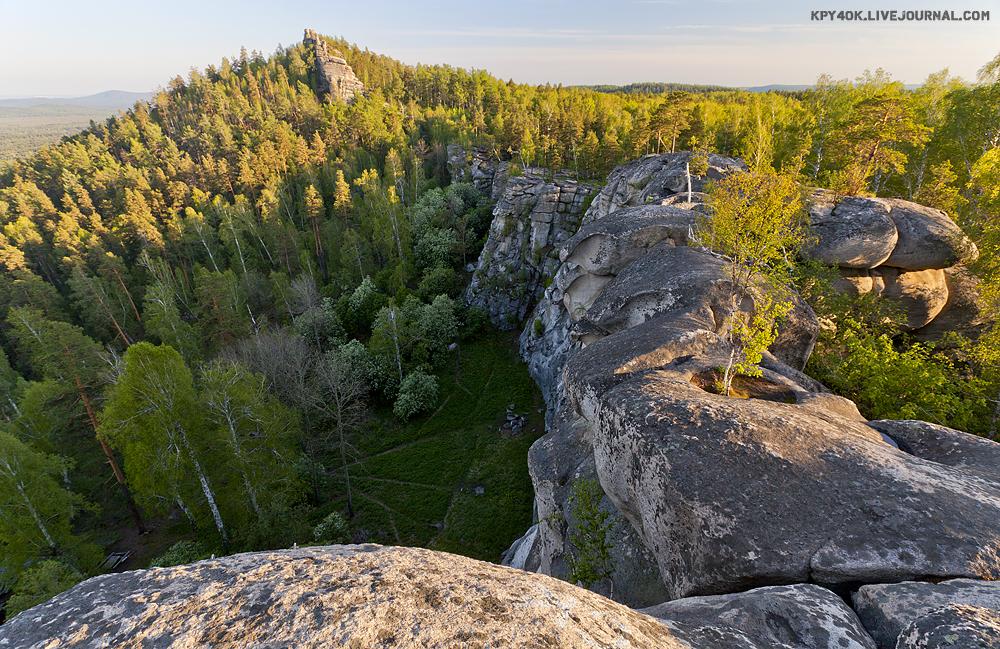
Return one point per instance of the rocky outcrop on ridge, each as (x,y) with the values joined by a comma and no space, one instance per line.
(534,214)
(658,179)
(714,494)
(372,596)
(893,248)
(335,79)
(479,167)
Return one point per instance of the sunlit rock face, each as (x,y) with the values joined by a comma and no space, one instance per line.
(715,494)
(372,596)
(338,596)
(662,179)
(335,79)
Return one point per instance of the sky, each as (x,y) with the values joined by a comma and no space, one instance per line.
(72,47)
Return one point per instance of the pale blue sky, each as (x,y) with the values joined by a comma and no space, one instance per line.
(75,47)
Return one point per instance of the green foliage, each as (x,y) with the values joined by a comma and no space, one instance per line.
(332,529)
(913,381)
(181,553)
(40,582)
(415,480)
(154,418)
(417,393)
(36,510)
(756,223)
(591,562)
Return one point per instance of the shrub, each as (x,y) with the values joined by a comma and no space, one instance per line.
(439,280)
(39,583)
(181,553)
(332,529)
(417,393)
(591,562)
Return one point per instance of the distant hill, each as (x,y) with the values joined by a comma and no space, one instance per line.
(113,99)
(28,123)
(659,87)
(779,87)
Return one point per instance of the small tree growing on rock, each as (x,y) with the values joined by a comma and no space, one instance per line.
(756,224)
(592,561)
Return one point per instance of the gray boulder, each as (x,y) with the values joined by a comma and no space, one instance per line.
(851,232)
(337,596)
(975,455)
(928,238)
(802,616)
(952,627)
(887,609)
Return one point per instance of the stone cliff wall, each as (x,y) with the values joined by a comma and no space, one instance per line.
(534,214)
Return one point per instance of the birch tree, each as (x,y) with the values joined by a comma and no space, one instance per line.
(36,511)
(154,418)
(756,225)
(61,351)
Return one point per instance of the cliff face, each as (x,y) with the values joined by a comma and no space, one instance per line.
(334,77)
(534,214)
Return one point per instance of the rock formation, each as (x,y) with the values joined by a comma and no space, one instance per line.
(801,616)
(371,596)
(714,494)
(334,77)
(479,167)
(893,248)
(534,213)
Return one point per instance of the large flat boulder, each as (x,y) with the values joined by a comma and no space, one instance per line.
(851,232)
(887,609)
(338,596)
(801,616)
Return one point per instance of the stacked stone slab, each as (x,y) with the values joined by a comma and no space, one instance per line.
(335,79)
(908,253)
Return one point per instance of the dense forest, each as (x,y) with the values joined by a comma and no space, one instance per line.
(220,310)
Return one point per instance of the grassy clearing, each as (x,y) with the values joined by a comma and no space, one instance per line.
(451,480)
